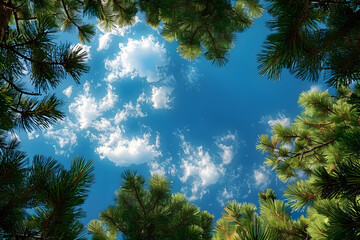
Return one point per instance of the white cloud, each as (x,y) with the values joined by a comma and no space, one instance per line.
(65,136)
(316,88)
(86,108)
(192,76)
(131,110)
(145,58)
(103,125)
(225,196)
(261,177)
(106,38)
(228,153)
(162,167)
(281,119)
(227,143)
(108,102)
(32,135)
(104,41)
(68,91)
(199,167)
(125,151)
(156,168)
(161,97)
(202,170)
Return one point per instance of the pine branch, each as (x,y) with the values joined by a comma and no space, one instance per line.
(68,15)
(314,148)
(135,190)
(19,89)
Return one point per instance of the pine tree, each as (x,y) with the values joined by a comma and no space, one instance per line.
(152,213)
(30,58)
(323,143)
(241,221)
(311,38)
(44,187)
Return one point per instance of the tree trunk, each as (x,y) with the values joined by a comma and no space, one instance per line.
(5,13)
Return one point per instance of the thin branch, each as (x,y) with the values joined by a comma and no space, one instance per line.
(16,22)
(11,48)
(68,14)
(318,124)
(138,198)
(314,148)
(19,89)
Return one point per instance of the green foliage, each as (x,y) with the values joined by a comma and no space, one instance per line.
(322,146)
(54,194)
(241,221)
(152,213)
(316,138)
(30,58)
(323,143)
(200,27)
(313,38)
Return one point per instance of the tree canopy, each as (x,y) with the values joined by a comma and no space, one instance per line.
(39,199)
(318,153)
(241,221)
(320,150)
(313,38)
(30,53)
(152,213)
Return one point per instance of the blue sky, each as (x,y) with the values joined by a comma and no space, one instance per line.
(143,107)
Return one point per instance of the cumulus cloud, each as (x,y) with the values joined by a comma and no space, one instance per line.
(124,151)
(104,41)
(280,119)
(200,169)
(68,91)
(261,177)
(145,58)
(161,97)
(86,108)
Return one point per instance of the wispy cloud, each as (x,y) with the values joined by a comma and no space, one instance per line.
(65,136)
(68,91)
(224,196)
(262,177)
(279,119)
(131,110)
(192,76)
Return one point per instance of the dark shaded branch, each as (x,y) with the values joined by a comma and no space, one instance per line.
(68,14)
(19,89)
